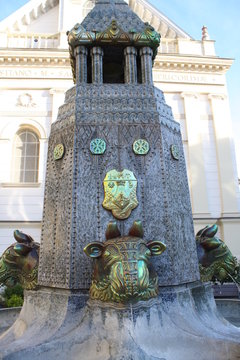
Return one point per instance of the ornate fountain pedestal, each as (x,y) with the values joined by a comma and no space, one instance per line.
(116,161)
(182,323)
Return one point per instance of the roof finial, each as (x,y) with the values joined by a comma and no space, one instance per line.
(205,35)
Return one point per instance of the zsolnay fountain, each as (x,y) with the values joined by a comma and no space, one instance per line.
(118,275)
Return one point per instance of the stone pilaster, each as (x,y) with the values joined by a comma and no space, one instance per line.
(225,155)
(199,195)
(81,64)
(146,54)
(97,65)
(57,101)
(130,69)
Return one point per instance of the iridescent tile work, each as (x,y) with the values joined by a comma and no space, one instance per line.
(120,193)
(97,146)
(141,147)
(58,152)
(175,152)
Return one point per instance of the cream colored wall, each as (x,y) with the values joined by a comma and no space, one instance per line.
(21,206)
(7,228)
(210,161)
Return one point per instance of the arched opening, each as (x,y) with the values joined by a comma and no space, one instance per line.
(113,65)
(25,161)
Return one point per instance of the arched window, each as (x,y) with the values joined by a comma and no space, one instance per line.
(87,7)
(25,157)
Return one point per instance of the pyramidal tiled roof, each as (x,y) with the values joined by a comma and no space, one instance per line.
(101,16)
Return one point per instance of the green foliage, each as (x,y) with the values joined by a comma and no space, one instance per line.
(13,297)
(14,301)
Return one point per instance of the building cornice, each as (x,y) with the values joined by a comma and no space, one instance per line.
(15,57)
(190,63)
(171,62)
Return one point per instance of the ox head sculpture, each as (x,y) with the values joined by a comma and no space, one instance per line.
(216,262)
(19,262)
(122,271)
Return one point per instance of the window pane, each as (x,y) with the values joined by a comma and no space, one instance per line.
(30,163)
(22,176)
(31,137)
(29,176)
(22,137)
(31,149)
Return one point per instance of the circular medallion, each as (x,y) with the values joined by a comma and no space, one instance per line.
(97,146)
(58,152)
(141,147)
(175,152)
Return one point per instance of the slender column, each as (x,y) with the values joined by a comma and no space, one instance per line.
(146,54)
(130,70)
(81,64)
(97,65)
(225,155)
(198,184)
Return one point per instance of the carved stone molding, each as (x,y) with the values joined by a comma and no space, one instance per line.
(25,100)
(194,64)
(54,91)
(185,95)
(217,96)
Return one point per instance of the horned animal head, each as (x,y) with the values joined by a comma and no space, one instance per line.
(216,262)
(122,270)
(19,262)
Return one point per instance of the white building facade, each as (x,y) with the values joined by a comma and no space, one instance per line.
(35,72)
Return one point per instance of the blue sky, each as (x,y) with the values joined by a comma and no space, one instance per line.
(223,21)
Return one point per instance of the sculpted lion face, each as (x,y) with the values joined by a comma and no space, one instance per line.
(122,270)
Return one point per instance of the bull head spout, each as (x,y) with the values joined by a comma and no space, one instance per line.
(19,262)
(122,270)
(216,262)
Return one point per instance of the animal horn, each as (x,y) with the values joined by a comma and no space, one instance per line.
(136,229)
(199,233)
(209,231)
(112,230)
(22,238)
(22,249)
